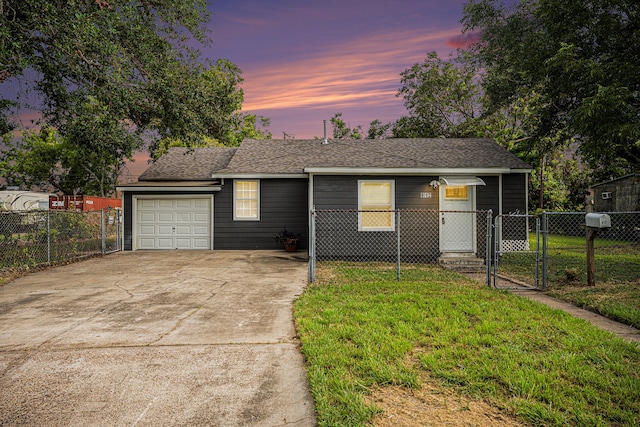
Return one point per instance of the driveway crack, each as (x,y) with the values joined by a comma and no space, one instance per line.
(182,319)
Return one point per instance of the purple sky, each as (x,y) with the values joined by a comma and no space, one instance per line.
(304,61)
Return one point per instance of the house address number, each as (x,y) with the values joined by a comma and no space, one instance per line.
(425,195)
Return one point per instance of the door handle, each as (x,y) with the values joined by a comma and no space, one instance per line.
(443,220)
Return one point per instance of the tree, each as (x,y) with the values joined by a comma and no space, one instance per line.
(581,58)
(442,98)
(341,129)
(114,75)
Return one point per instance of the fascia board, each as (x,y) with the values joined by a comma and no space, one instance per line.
(139,189)
(406,171)
(259,175)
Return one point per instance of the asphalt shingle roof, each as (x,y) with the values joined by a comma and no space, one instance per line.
(188,164)
(292,156)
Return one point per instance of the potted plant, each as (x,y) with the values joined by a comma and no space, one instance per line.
(288,239)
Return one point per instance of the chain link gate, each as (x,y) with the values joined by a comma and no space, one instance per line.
(516,251)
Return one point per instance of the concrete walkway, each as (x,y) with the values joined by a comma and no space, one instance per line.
(182,338)
(623,331)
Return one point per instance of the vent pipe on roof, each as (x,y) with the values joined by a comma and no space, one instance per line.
(325,141)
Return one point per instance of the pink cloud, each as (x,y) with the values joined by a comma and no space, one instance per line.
(363,72)
(462,41)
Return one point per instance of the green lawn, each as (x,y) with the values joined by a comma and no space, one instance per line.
(360,329)
(617,291)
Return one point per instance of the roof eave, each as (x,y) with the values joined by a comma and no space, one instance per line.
(245,175)
(412,171)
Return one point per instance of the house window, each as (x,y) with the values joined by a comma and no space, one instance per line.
(456,192)
(378,196)
(246,200)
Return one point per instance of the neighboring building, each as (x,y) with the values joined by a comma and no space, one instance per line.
(19,201)
(616,195)
(239,198)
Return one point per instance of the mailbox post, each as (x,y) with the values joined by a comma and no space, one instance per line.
(594,223)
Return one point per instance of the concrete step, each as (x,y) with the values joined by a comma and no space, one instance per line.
(462,262)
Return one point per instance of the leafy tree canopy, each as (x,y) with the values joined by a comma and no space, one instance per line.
(581,58)
(115,75)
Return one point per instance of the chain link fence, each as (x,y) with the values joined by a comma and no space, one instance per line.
(533,251)
(617,248)
(41,237)
(398,237)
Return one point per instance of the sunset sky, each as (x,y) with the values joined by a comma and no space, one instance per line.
(304,61)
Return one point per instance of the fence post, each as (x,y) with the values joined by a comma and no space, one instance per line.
(537,252)
(48,237)
(488,245)
(312,244)
(104,232)
(545,252)
(496,255)
(118,243)
(398,243)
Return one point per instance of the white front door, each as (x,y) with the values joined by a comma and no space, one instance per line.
(457,219)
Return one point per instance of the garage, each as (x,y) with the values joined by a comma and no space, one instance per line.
(173,222)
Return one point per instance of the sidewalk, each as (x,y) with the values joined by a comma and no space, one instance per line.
(623,331)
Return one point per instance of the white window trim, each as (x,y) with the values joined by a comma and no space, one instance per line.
(236,218)
(393,204)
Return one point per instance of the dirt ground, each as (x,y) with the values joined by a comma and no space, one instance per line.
(431,405)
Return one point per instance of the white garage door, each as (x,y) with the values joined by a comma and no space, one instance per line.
(173,223)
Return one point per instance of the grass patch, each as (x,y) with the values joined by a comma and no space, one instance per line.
(359,327)
(617,291)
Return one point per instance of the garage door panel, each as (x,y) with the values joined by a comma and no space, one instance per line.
(164,230)
(184,217)
(200,231)
(146,204)
(201,204)
(200,243)
(201,217)
(164,217)
(165,243)
(174,223)
(147,216)
(147,230)
(184,230)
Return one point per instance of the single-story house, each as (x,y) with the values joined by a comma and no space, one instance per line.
(239,198)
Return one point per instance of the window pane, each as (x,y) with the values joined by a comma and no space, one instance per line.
(376,193)
(456,192)
(246,199)
(376,196)
(377,220)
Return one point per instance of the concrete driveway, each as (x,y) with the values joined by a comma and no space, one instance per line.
(155,338)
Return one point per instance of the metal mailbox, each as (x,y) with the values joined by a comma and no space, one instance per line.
(598,220)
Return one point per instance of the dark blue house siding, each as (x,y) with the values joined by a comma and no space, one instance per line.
(339,230)
(487,197)
(514,201)
(283,204)
(514,193)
